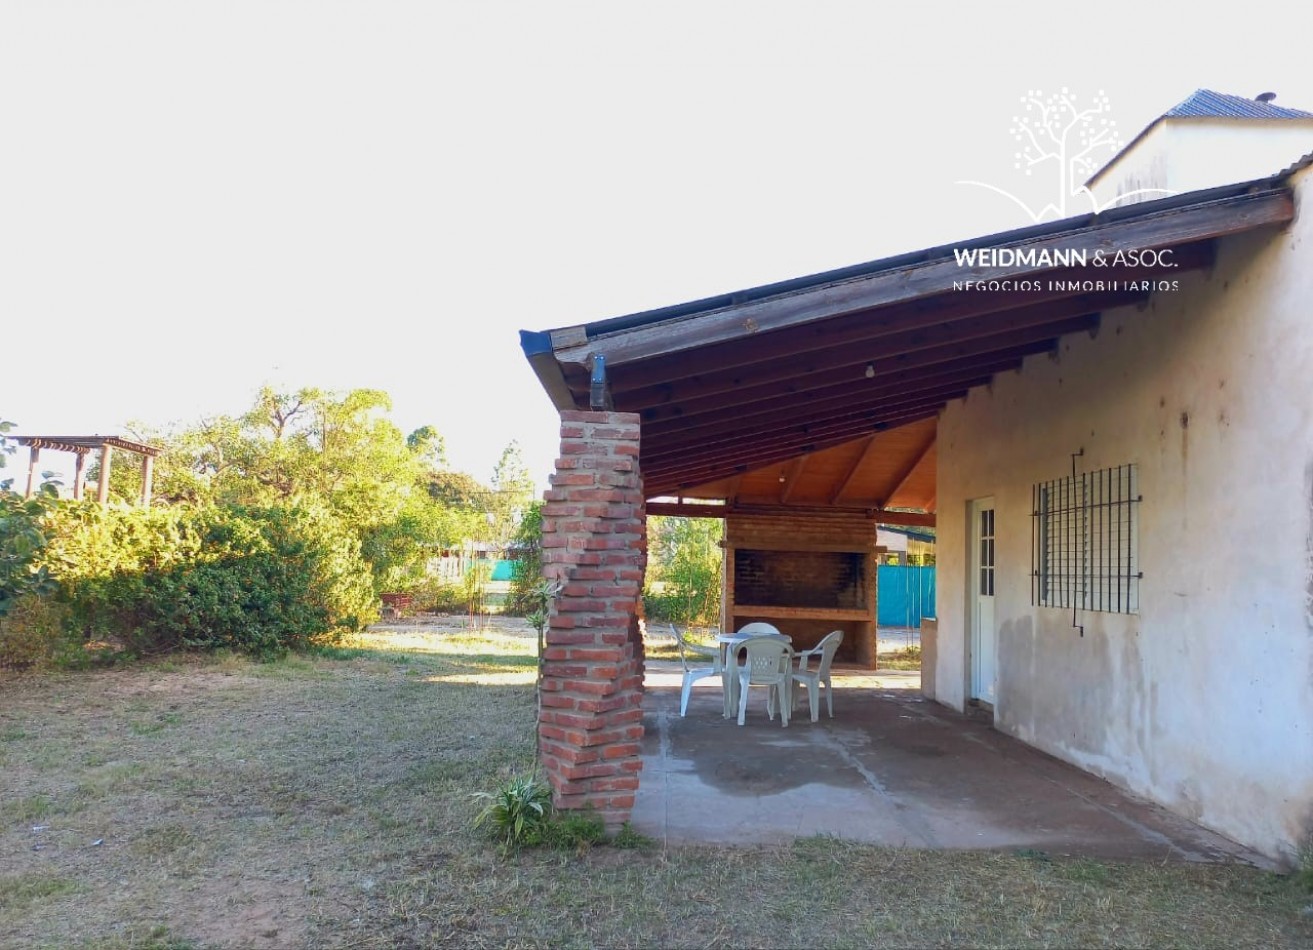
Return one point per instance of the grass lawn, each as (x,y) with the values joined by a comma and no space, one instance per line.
(327,802)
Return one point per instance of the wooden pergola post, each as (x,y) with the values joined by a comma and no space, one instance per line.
(34,454)
(102,491)
(80,476)
(147,475)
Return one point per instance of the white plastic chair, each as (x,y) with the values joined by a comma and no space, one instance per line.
(694,673)
(813,679)
(729,666)
(768,661)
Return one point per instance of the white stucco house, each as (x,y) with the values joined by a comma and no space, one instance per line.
(1118,460)
(1145,496)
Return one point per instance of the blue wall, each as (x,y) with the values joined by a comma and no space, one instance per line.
(905,595)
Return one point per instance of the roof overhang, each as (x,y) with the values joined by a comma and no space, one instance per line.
(735,384)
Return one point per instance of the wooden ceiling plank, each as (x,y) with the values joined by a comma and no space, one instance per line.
(913,519)
(679,471)
(830,383)
(674,445)
(865,390)
(1159,229)
(783,366)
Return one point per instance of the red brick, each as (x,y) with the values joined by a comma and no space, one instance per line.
(614,783)
(566,638)
(621,750)
(596,654)
(589,687)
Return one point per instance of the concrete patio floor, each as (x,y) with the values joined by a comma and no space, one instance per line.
(892,769)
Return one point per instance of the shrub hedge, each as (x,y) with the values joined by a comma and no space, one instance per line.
(255,580)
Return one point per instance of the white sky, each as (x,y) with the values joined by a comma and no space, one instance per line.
(200,198)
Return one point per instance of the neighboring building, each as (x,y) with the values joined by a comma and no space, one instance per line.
(1208,140)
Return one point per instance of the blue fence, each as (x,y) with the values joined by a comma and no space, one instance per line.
(905,595)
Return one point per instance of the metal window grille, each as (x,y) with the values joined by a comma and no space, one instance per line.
(1084,546)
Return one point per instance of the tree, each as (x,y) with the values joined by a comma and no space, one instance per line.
(428,446)
(513,490)
(316,449)
(685,558)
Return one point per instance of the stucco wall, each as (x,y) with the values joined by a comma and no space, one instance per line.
(1204,700)
(1190,154)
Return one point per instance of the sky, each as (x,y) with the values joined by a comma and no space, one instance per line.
(198,199)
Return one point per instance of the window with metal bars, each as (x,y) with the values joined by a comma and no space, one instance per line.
(1084,545)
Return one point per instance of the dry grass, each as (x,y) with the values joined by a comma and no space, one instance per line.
(327,802)
(906,658)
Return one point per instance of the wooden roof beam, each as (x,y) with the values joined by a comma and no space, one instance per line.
(761,451)
(901,478)
(883,323)
(791,476)
(677,472)
(785,368)
(831,383)
(867,452)
(842,397)
(673,446)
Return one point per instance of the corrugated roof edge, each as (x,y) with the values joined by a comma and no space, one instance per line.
(692,308)
(1210,104)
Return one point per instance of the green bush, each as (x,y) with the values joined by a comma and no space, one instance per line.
(436,596)
(256,580)
(33,633)
(22,547)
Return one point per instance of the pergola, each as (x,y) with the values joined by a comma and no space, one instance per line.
(82,446)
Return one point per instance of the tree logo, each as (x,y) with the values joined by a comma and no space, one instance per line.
(1057,137)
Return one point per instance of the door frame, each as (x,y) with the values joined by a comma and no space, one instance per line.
(973,537)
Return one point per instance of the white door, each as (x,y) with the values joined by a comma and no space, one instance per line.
(984,644)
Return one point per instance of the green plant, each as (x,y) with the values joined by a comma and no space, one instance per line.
(528,547)
(34,633)
(22,545)
(686,562)
(517,813)
(574,830)
(629,839)
(256,580)
(1304,862)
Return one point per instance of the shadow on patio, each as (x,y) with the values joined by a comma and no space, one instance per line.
(892,769)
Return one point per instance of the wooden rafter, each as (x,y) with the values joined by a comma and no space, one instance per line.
(911,519)
(829,382)
(901,478)
(868,450)
(861,419)
(722,465)
(791,476)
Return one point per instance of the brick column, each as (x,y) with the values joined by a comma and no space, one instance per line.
(595,544)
